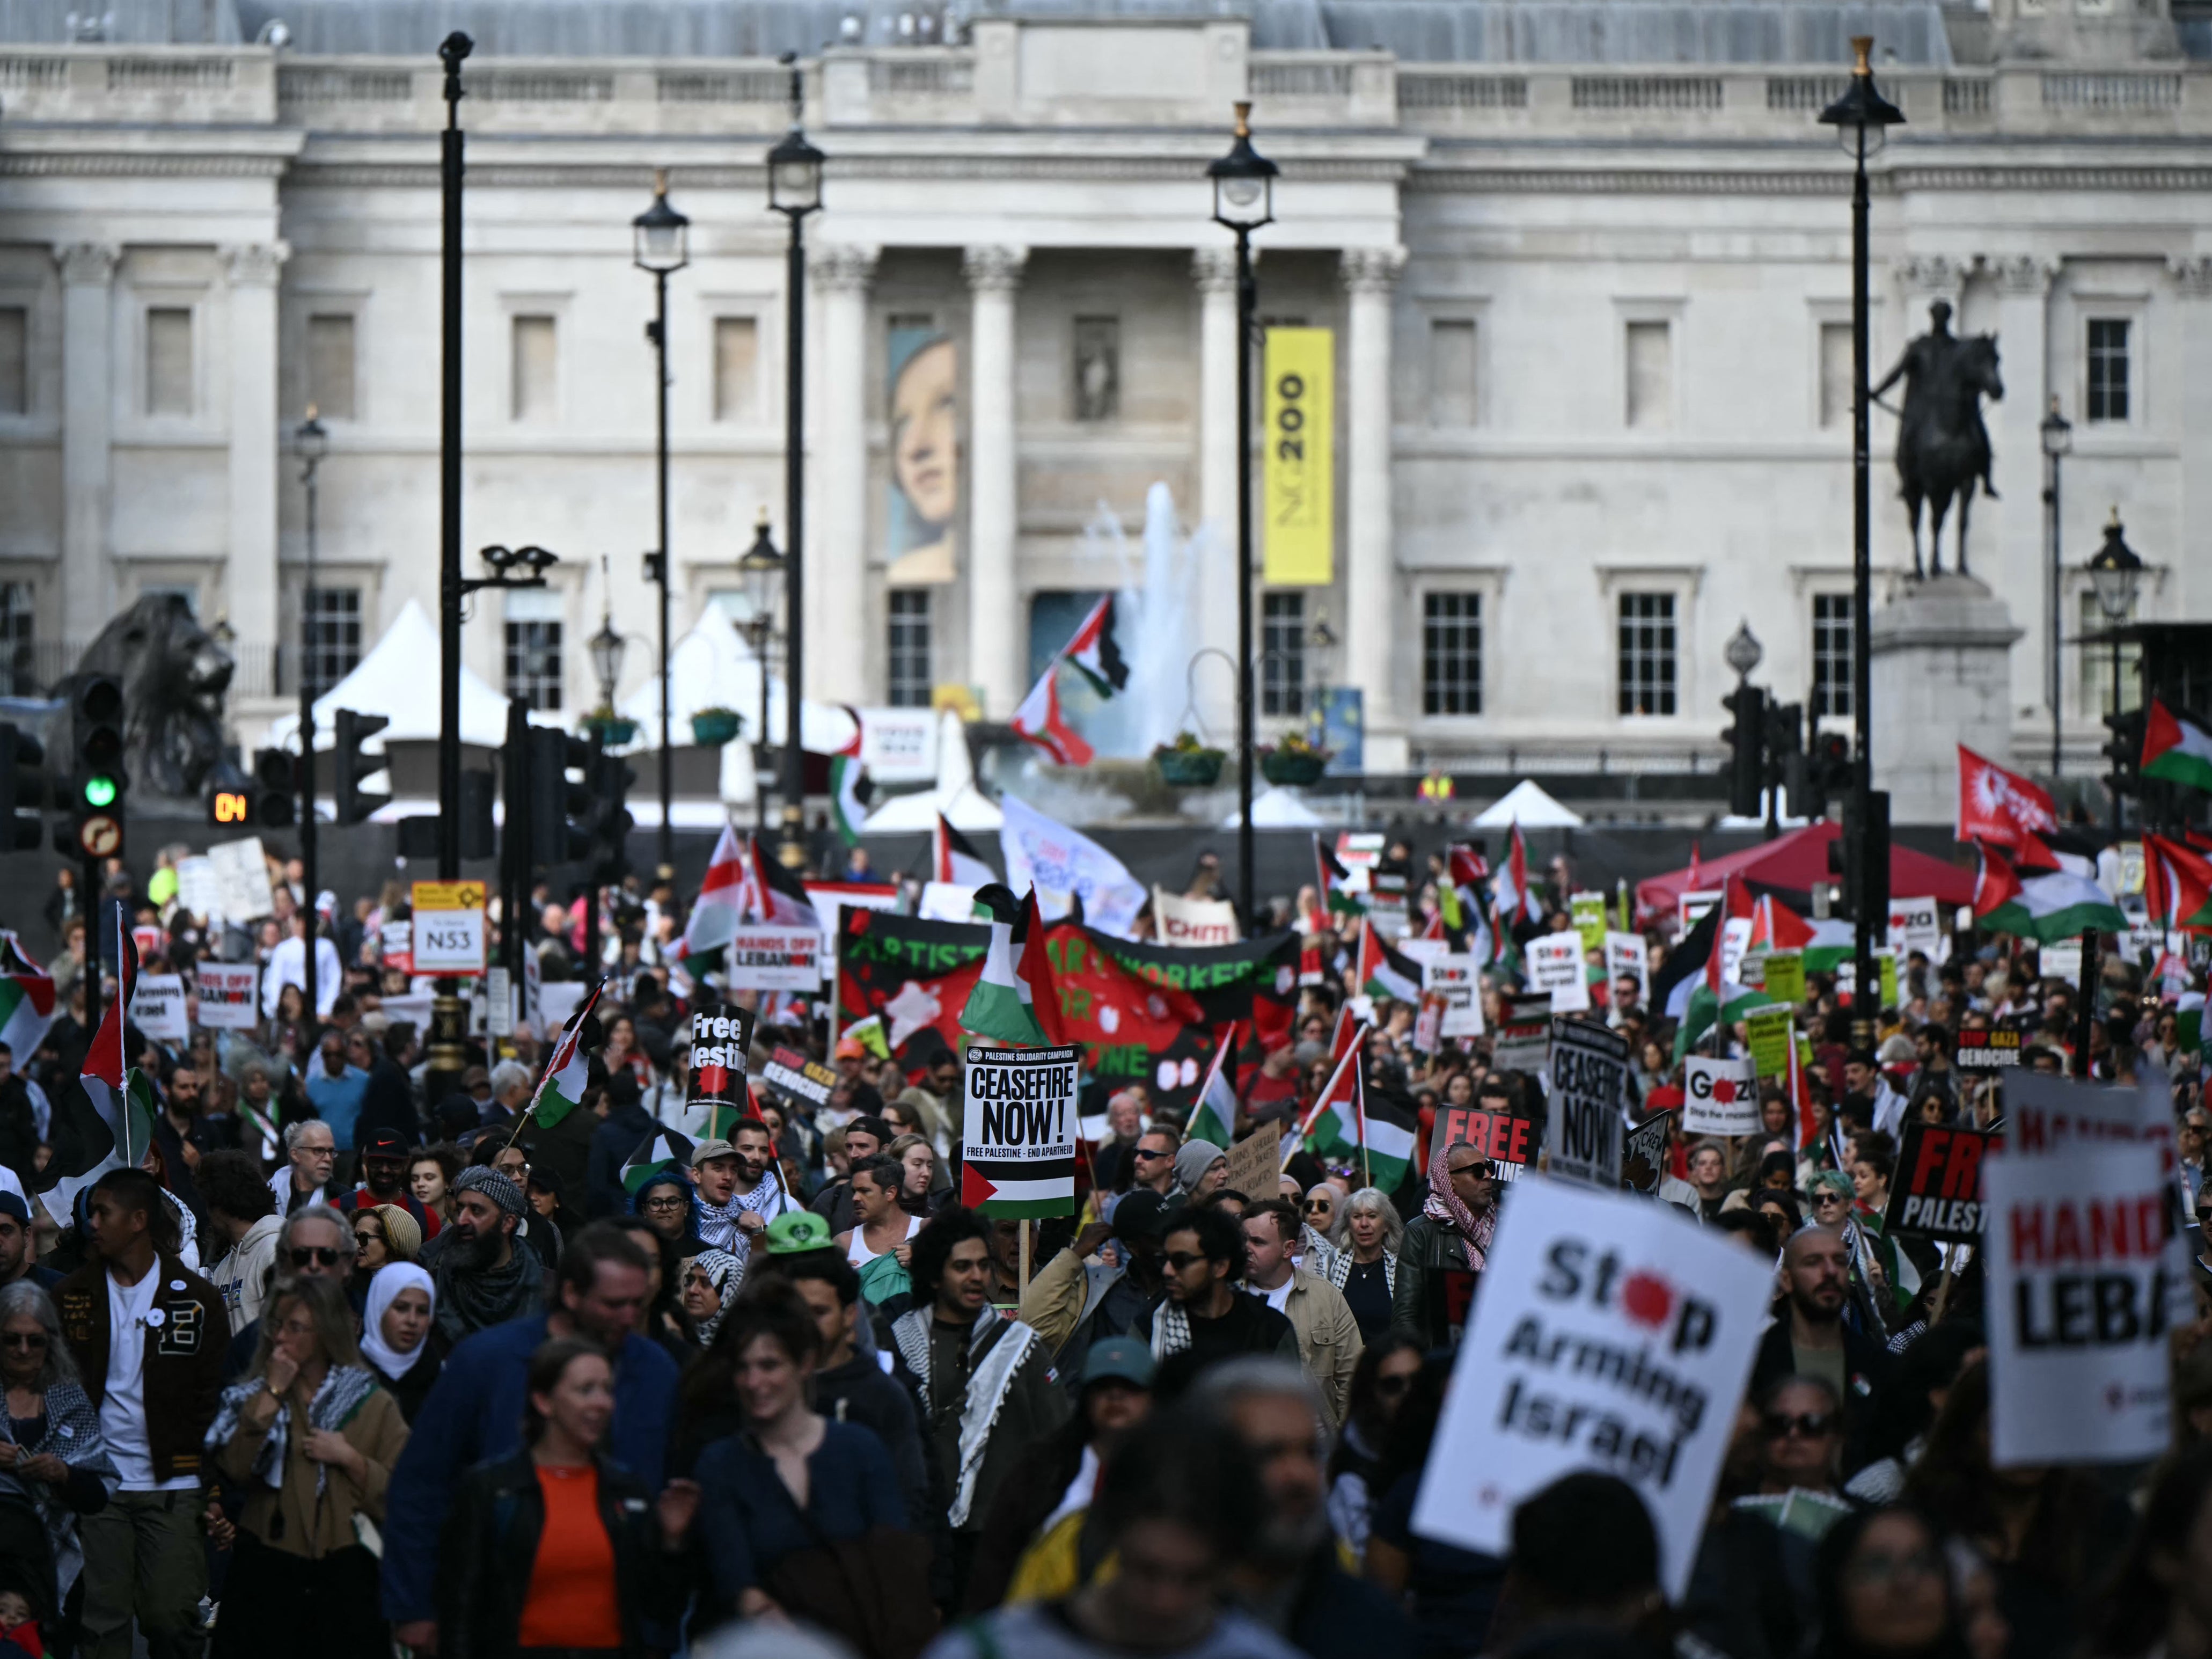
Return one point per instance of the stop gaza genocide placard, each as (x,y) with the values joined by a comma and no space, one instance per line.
(1018,1125)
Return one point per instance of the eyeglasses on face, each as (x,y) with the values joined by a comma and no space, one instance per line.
(1813,1426)
(662,1206)
(300,1255)
(1180,1259)
(1323,1204)
(32,1340)
(1146,1151)
(365,1237)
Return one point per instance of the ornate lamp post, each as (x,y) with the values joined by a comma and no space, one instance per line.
(310,442)
(2057,445)
(763,569)
(2115,572)
(663,247)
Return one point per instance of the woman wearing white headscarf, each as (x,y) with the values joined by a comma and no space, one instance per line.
(399,1337)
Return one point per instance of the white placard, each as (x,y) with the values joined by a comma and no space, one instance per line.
(1063,867)
(557,1000)
(1460,978)
(1721,1097)
(1018,1124)
(241,874)
(198,890)
(1590,1079)
(226,1000)
(2078,1363)
(157,1007)
(1915,924)
(1193,922)
(1626,957)
(1610,1335)
(899,745)
(449,942)
(499,1002)
(1555,965)
(773,959)
(946,900)
(2061,959)
(1736,940)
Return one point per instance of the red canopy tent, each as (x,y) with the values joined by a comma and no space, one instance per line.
(1793,863)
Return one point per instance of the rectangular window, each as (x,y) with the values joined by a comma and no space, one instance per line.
(1451,653)
(1831,655)
(333,636)
(2108,368)
(1097,368)
(534,394)
(737,369)
(1283,659)
(14,360)
(1451,372)
(911,672)
(1836,374)
(533,646)
(2095,663)
(1651,376)
(331,367)
(18,639)
(1646,653)
(169,360)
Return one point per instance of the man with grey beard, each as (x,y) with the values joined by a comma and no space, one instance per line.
(481,1278)
(1290,1580)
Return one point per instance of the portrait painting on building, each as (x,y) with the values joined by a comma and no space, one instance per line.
(922,524)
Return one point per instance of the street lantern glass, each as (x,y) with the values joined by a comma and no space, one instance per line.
(794,175)
(607,647)
(1743,650)
(311,442)
(1243,181)
(762,568)
(1861,114)
(662,234)
(2115,570)
(2058,432)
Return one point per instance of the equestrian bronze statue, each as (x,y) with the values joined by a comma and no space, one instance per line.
(1942,447)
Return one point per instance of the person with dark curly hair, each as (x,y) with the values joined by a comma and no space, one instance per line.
(985,1383)
(1202,1313)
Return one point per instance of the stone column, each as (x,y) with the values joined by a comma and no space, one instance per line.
(2192,592)
(1941,679)
(88,436)
(251,581)
(1214,270)
(840,668)
(1370,567)
(996,632)
(2008,545)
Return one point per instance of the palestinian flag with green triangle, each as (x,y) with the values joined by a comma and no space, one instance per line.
(568,1073)
(27,1000)
(2044,905)
(849,787)
(999,1008)
(663,1149)
(1698,1002)
(1214,1117)
(1331,876)
(2176,750)
(1369,1131)
(1381,972)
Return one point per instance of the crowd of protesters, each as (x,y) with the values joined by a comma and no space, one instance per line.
(343,1365)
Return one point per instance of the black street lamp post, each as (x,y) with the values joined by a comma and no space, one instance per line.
(764,570)
(1244,201)
(664,238)
(2057,444)
(2115,571)
(795,190)
(446,1060)
(311,442)
(1863,117)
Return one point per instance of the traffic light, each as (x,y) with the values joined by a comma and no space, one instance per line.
(477,792)
(609,820)
(2123,749)
(1860,856)
(1746,742)
(22,789)
(276,777)
(349,766)
(97,782)
(1826,773)
(1785,752)
(558,832)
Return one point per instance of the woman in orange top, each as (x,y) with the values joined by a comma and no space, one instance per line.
(602,1550)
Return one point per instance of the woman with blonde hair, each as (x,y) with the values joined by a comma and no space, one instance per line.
(1363,1261)
(310,1439)
(922,1177)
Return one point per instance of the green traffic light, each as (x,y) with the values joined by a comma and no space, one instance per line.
(99,792)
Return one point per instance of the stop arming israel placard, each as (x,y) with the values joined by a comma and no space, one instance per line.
(1722,1097)
(1589,1072)
(1555,965)
(2077,1307)
(1018,1132)
(1461,981)
(1611,1335)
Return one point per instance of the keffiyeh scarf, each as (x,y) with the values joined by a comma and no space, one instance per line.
(718,1223)
(331,1408)
(723,1270)
(1443,1206)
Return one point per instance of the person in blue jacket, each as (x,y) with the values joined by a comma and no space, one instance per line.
(475,1411)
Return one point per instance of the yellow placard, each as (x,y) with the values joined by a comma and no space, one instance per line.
(449,895)
(1297,484)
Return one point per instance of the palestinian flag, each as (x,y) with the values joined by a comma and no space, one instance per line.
(1038,721)
(1516,903)
(663,1149)
(2189,1018)
(1376,1134)
(719,913)
(1776,926)
(1214,1118)
(568,1072)
(1332,1113)
(849,788)
(999,1006)
(2176,884)
(954,858)
(107,1120)
(768,892)
(912,976)
(2042,906)
(1136,1011)
(1094,652)
(1697,1002)
(2176,750)
(1330,877)
(1381,972)
(1688,959)
(27,1000)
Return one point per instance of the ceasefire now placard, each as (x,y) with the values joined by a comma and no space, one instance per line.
(1017,1131)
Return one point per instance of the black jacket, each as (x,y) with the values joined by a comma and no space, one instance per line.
(1418,1305)
(388,1103)
(490,1544)
(1867,1364)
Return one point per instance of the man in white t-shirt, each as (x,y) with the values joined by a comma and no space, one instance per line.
(148,1335)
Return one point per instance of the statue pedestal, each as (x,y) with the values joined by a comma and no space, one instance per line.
(1940,653)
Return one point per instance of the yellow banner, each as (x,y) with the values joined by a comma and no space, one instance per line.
(448,895)
(1297,486)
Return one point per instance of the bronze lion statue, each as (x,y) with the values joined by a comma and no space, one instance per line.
(174,678)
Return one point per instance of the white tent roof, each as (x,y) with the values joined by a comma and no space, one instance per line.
(713,667)
(1527,805)
(955,794)
(398,680)
(1277,808)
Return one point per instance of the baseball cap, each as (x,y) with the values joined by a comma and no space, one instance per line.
(384,1143)
(798,1230)
(850,1048)
(706,1149)
(1143,1214)
(1121,1358)
(12,1204)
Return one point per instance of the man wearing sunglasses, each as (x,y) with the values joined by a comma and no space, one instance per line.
(1446,1247)
(1809,1336)
(1152,1165)
(1203,1313)
(317,1243)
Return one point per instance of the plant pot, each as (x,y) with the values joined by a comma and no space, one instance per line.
(713,731)
(1293,768)
(613,730)
(1188,769)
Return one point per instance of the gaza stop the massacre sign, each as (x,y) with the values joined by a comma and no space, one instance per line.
(1018,1132)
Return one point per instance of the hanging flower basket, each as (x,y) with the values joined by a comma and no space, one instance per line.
(611,730)
(1187,763)
(713,727)
(1294,761)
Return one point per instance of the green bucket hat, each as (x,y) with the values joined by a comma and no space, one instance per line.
(797,1231)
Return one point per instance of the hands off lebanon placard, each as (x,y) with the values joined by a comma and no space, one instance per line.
(1610,1335)
(1018,1132)
(227,999)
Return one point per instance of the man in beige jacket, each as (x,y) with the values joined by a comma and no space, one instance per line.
(1328,1335)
